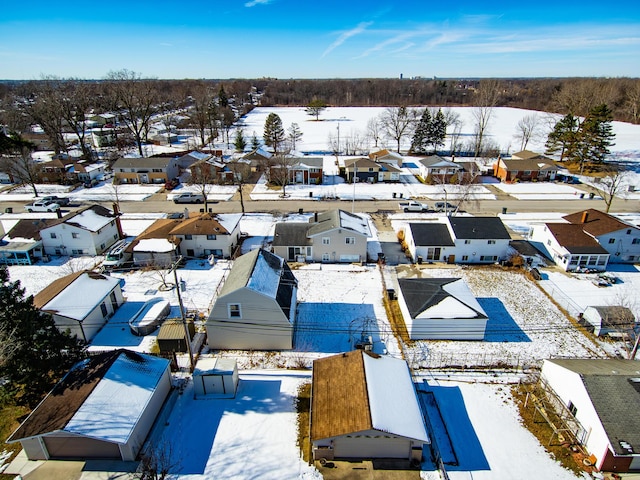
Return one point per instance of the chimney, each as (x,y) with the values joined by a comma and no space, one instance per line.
(186,213)
(59,213)
(315,217)
(116,212)
(585,216)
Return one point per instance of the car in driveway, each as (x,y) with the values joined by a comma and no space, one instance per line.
(444,207)
(42,206)
(62,201)
(188,198)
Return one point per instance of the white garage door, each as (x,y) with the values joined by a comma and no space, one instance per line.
(371,447)
(349,258)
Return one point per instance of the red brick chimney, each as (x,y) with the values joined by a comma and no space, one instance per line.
(116,212)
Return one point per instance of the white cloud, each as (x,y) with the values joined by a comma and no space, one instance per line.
(362,26)
(253,3)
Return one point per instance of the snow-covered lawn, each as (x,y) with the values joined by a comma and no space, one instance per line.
(250,436)
(541,191)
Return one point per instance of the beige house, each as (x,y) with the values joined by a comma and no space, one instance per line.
(103,408)
(208,234)
(81,302)
(156,170)
(329,237)
(256,307)
(364,406)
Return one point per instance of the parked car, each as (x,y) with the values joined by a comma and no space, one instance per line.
(171,184)
(62,201)
(445,207)
(412,206)
(42,206)
(91,183)
(189,198)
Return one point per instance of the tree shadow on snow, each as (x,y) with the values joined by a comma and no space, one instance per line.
(468,450)
(334,327)
(501,327)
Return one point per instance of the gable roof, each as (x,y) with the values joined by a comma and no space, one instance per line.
(532,164)
(207,224)
(597,223)
(478,228)
(91,218)
(440,297)
(527,154)
(76,295)
(574,239)
(356,391)
(332,219)
(142,162)
(361,162)
(291,234)
(383,154)
(615,316)
(618,413)
(83,401)
(436,161)
(160,229)
(431,235)
(29,229)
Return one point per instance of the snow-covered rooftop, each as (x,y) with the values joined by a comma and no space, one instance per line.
(159,245)
(89,220)
(265,278)
(116,404)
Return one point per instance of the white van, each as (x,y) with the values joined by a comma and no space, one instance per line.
(117,255)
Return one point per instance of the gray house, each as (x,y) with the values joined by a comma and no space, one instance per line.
(256,307)
(328,237)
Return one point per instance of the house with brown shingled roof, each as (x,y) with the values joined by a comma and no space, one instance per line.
(103,408)
(525,166)
(208,234)
(364,406)
(22,245)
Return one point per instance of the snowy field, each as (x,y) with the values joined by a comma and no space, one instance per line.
(541,191)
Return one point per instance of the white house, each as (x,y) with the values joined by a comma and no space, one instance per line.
(103,409)
(364,406)
(440,309)
(438,167)
(256,307)
(208,234)
(601,400)
(328,237)
(459,240)
(81,302)
(569,246)
(89,230)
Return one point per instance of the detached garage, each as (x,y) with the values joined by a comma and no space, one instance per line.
(364,406)
(103,408)
(215,378)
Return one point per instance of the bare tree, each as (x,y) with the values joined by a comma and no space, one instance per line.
(157,462)
(462,185)
(485,100)
(20,166)
(374,131)
(294,135)
(280,171)
(203,175)
(75,102)
(632,102)
(353,143)
(241,171)
(612,184)
(527,129)
(200,112)
(137,101)
(396,122)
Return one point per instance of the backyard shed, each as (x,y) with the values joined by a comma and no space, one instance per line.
(215,377)
(609,319)
(171,336)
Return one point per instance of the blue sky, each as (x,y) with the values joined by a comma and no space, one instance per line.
(328,39)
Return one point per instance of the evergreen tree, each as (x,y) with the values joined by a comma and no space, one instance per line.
(255,143)
(274,133)
(421,133)
(295,134)
(35,354)
(223,101)
(563,138)
(596,133)
(239,142)
(315,107)
(438,130)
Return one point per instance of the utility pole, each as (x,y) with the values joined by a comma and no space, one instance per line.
(187,337)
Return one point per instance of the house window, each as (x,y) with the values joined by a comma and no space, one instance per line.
(635,241)
(602,261)
(188,237)
(326,240)
(53,235)
(326,257)
(527,172)
(572,408)
(234,310)
(102,246)
(211,237)
(488,258)
(491,242)
(465,258)
(74,235)
(308,251)
(78,251)
(350,240)
(103,309)
(549,243)
(112,223)
(467,242)
(574,261)
(612,240)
